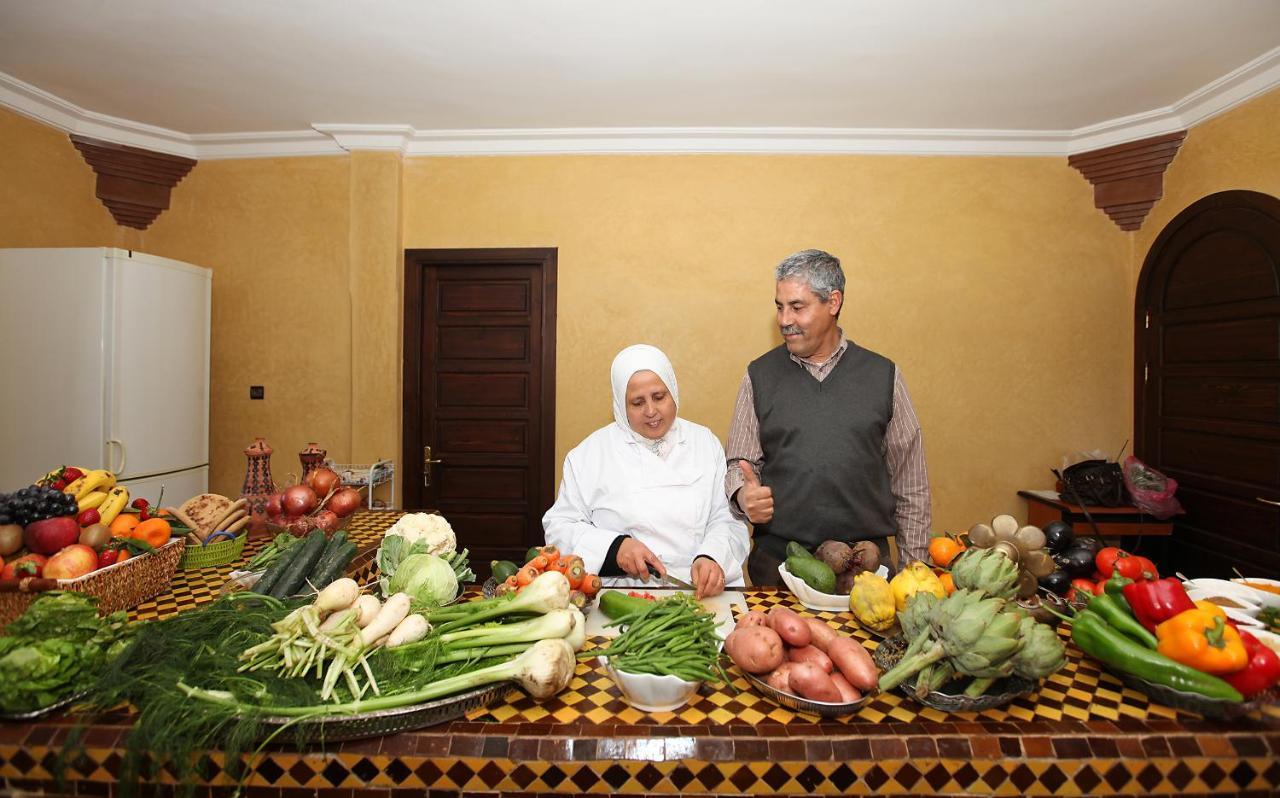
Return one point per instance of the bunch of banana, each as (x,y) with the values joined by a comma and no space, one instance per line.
(117,499)
(99,480)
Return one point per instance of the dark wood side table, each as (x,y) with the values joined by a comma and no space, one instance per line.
(1129,524)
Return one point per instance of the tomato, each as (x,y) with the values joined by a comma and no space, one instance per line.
(1148,568)
(1081,590)
(1106,560)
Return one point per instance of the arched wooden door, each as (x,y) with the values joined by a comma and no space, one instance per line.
(1208,379)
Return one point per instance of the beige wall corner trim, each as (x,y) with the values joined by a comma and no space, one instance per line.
(1128,178)
(133,183)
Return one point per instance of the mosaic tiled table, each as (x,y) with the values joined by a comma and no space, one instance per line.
(1083,733)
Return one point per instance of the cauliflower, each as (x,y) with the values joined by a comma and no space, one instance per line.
(431,529)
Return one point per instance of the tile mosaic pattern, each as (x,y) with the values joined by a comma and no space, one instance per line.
(1082,733)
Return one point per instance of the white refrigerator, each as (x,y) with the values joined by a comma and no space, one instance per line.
(104,363)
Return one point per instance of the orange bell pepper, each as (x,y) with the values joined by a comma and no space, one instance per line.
(1202,639)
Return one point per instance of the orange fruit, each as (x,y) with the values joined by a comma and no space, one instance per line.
(943,549)
(947,583)
(123,525)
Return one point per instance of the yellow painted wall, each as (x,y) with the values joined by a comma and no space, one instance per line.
(993,282)
(46,190)
(275,232)
(1238,150)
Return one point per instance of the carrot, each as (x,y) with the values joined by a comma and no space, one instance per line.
(590,585)
(539,563)
(525,575)
(576,574)
(551,553)
(510,581)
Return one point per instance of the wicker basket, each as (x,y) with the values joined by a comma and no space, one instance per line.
(117,587)
(1003,692)
(220,553)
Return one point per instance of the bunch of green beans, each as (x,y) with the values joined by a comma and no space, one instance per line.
(674,637)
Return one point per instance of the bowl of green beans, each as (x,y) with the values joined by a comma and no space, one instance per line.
(650,692)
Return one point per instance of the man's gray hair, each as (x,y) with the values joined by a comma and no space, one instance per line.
(819,269)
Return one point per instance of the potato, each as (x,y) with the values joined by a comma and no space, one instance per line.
(810,681)
(854,662)
(848,693)
(780,677)
(789,626)
(811,654)
(753,618)
(820,634)
(754,649)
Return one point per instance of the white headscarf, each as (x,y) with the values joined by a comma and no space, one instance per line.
(642,357)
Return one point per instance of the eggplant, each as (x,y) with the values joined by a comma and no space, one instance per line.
(1058,582)
(1058,536)
(1077,561)
(1092,544)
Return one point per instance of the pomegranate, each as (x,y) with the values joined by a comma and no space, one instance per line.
(52,534)
(298,500)
(344,502)
(73,561)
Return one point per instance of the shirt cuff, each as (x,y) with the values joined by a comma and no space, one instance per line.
(610,565)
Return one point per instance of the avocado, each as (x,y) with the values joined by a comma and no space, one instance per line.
(813,572)
(796,550)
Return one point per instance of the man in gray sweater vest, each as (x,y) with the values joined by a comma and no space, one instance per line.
(824,443)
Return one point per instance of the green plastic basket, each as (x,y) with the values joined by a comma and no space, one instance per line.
(220,553)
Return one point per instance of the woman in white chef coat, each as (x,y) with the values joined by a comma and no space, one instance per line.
(648,489)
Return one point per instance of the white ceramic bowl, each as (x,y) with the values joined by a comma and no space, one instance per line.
(1218,595)
(822,602)
(1264,598)
(651,693)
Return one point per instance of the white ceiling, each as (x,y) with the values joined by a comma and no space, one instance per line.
(1051,73)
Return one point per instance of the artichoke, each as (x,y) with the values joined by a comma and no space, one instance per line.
(1042,653)
(934,677)
(914,618)
(986,570)
(967,627)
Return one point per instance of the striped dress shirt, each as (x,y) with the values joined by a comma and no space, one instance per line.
(903,453)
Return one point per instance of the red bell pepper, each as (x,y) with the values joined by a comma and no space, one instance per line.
(1156,601)
(1262,670)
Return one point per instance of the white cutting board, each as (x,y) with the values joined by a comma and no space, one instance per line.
(721,605)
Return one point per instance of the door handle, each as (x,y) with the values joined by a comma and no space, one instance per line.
(427,462)
(123,455)
(1268,501)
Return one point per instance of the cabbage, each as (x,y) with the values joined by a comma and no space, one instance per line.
(426,578)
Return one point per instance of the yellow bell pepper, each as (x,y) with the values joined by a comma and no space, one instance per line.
(1202,639)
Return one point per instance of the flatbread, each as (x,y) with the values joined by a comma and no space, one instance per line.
(205,511)
(236,509)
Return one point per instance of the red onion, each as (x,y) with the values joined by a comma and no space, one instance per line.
(273,506)
(322,480)
(344,502)
(327,520)
(298,500)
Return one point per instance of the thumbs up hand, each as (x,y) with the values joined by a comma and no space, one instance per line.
(755,499)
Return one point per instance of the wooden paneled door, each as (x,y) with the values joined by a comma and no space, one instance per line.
(1208,379)
(479,394)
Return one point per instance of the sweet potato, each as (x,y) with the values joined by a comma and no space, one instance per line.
(753,618)
(789,626)
(811,654)
(848,693)
(810,681)
(780,677)
(854,662)
(755,649)
(820,634)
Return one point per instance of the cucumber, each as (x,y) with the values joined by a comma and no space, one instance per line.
(814,573)
(337,564)
(271,576)
(796,550)
(330,551)
(502,569)
(615,604)
(301,566)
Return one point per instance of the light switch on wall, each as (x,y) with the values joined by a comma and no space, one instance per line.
(256,391)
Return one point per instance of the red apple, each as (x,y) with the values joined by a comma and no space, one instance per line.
(75,560)
(24,566)
(51,535)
